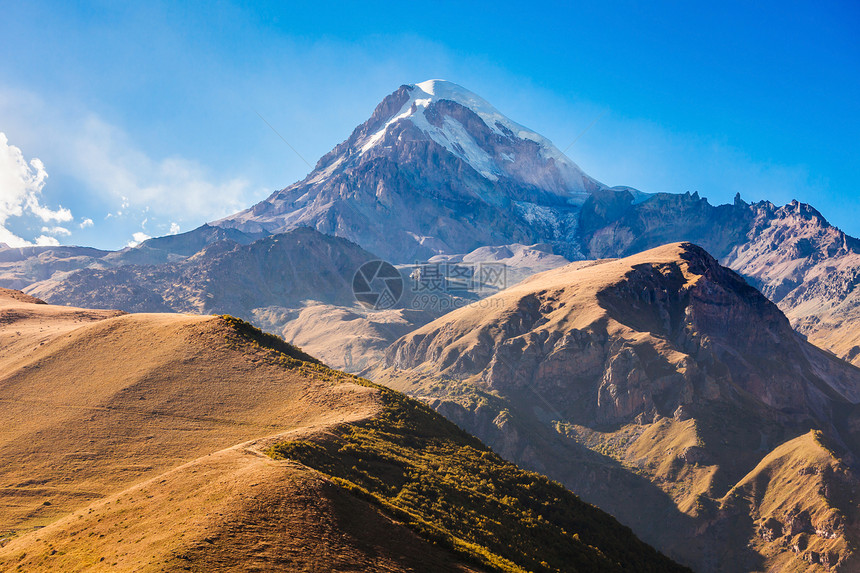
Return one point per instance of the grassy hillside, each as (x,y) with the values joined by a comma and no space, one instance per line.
(449,488)
(136,443)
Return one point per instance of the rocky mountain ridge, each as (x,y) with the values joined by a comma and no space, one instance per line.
(791,253)
(659,387)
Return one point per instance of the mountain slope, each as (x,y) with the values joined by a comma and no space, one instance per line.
(273,274)
(297,284)
(436,169)
(137,442)
(810,269)
(20,267)
(23,266)
(650,385)
(791,253)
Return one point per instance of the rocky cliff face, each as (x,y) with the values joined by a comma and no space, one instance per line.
(651,385)
(810,269)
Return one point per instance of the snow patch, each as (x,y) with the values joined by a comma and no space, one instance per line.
(325,173)
(454,137)
(564,223)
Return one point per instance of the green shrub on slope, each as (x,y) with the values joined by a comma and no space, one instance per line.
(443,483)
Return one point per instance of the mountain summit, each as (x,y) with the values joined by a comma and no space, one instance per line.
(435,170)
(455,129)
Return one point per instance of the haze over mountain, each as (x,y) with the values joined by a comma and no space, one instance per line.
(666,390)
(152,442)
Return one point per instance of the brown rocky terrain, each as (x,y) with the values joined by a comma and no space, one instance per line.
(141,442)
(354,338)
(791,253)
(811,270)
(667,391)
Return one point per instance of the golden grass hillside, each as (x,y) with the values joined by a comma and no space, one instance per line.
(147,443)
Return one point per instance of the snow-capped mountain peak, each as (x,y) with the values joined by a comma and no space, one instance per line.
(434,170)
(499,148)
(443,89)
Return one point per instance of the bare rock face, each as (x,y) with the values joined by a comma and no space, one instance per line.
(810,269)
(664,388)
(708,335)
(799,521)
(771,529)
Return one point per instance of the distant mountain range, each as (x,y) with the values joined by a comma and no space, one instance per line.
(438,172)
(225,276)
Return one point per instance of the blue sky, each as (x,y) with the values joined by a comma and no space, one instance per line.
(144,117)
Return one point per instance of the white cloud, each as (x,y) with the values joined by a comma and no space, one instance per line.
(137,238)
(174,229)
(86,223)
(45,241)
(110,164)
(21,186)
(111,167)
(62,231)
